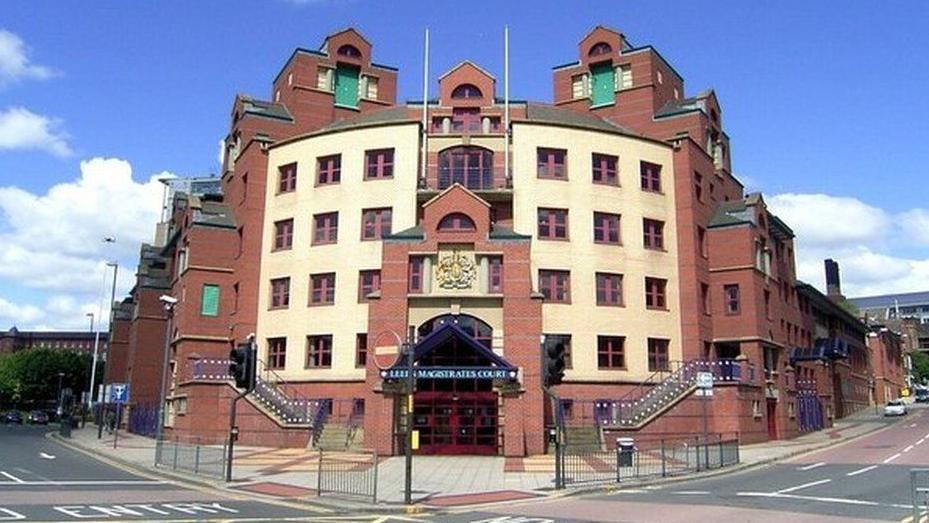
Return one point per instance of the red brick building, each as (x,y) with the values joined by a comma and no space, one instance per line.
(608,222)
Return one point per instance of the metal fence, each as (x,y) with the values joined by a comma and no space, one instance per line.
(348,473)
(919,488)
(660,458)
(194,457)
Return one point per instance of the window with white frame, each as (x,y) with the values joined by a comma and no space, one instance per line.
(623,77)
(580,86)
(367,87)
(324,78)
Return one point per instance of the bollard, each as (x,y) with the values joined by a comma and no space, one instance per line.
(174,467)
(197,459)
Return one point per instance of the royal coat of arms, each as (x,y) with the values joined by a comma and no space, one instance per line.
(455,272)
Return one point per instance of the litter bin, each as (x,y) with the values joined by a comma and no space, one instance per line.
(625,448)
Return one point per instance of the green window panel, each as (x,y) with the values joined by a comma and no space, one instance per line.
(209,304)
(604,84)
(346,85)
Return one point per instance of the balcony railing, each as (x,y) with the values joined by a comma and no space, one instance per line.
(473,178)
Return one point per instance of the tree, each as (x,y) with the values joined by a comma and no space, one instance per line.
(30,377)
(920,366)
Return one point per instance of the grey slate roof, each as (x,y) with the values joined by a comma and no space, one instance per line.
(266,109)
(543,113)
(686,105)
(731,213)
(392,115)
(887,300)
(214,214)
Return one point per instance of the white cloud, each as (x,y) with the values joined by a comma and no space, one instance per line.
(915,223)
(20,128)
(222,152)
(52,242)
(830,220)
(13,314)
(14,62)
(864,239)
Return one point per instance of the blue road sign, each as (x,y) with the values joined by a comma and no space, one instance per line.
(119,393)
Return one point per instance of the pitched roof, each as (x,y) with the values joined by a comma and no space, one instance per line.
(685,105)
(265,109)
(463,63)
(549,114)
(892,300)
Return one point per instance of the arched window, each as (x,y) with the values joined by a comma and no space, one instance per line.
(455,222)
(349,50)
(600,49)
(477,328)
(466,91)
(469,166)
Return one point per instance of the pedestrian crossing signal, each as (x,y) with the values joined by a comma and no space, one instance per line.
(242,366)
(554,363)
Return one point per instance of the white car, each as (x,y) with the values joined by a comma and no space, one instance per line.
(895,408)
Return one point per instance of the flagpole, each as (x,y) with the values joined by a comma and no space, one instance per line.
(425,130)
(506,103)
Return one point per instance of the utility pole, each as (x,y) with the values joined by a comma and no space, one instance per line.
(411,390)
(169,303)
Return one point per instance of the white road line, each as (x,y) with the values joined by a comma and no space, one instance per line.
(912,425)
(908,448)
(895,456)
(861,471)
(921,440)
(692,492)
(10,476)
(18,482)
(805,485)
(809,498)
(813,466)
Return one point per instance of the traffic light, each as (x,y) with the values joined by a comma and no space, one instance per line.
(242,366)
(553,362)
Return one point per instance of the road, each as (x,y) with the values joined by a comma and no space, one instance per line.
(867,479)
(41,480)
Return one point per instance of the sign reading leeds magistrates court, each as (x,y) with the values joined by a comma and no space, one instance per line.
(450,373)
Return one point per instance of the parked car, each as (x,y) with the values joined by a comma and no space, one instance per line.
(922,396)
(13,416)
(895,408)
(37,417)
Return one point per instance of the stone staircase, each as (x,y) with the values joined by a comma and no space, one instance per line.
(662,391)
(336,436)
(583,438)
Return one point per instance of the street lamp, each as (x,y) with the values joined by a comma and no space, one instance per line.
(93,369)
(106,353)
(169,303)
(60,376)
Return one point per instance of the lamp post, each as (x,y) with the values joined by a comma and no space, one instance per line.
(106,353)
(60,376)
(93,369)
(169,303)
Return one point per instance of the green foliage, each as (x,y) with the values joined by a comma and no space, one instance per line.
(30,377)
(920,366)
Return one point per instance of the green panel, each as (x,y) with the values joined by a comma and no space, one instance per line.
(602,83)
(346,85)
(209,305)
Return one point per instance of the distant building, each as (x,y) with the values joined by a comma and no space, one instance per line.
(913,305)
(15,340)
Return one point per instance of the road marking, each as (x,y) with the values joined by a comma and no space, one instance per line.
(10,476)
(46,456)
(895,456)
(809,498)
(692,492)
(813,466)
(908,448)
(805,485)
(862,471)
(16,481)
(912,425)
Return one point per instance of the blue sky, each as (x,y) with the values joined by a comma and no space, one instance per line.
(824,103)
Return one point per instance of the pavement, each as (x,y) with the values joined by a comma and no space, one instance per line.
(440,482)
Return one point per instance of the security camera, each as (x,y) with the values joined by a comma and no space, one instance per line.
(167,300)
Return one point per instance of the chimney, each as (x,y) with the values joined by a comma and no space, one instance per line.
(833,282)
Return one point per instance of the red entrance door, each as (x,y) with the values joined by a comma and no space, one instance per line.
(456,423)
(772,419)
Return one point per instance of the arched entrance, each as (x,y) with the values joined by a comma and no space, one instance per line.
(458,415)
